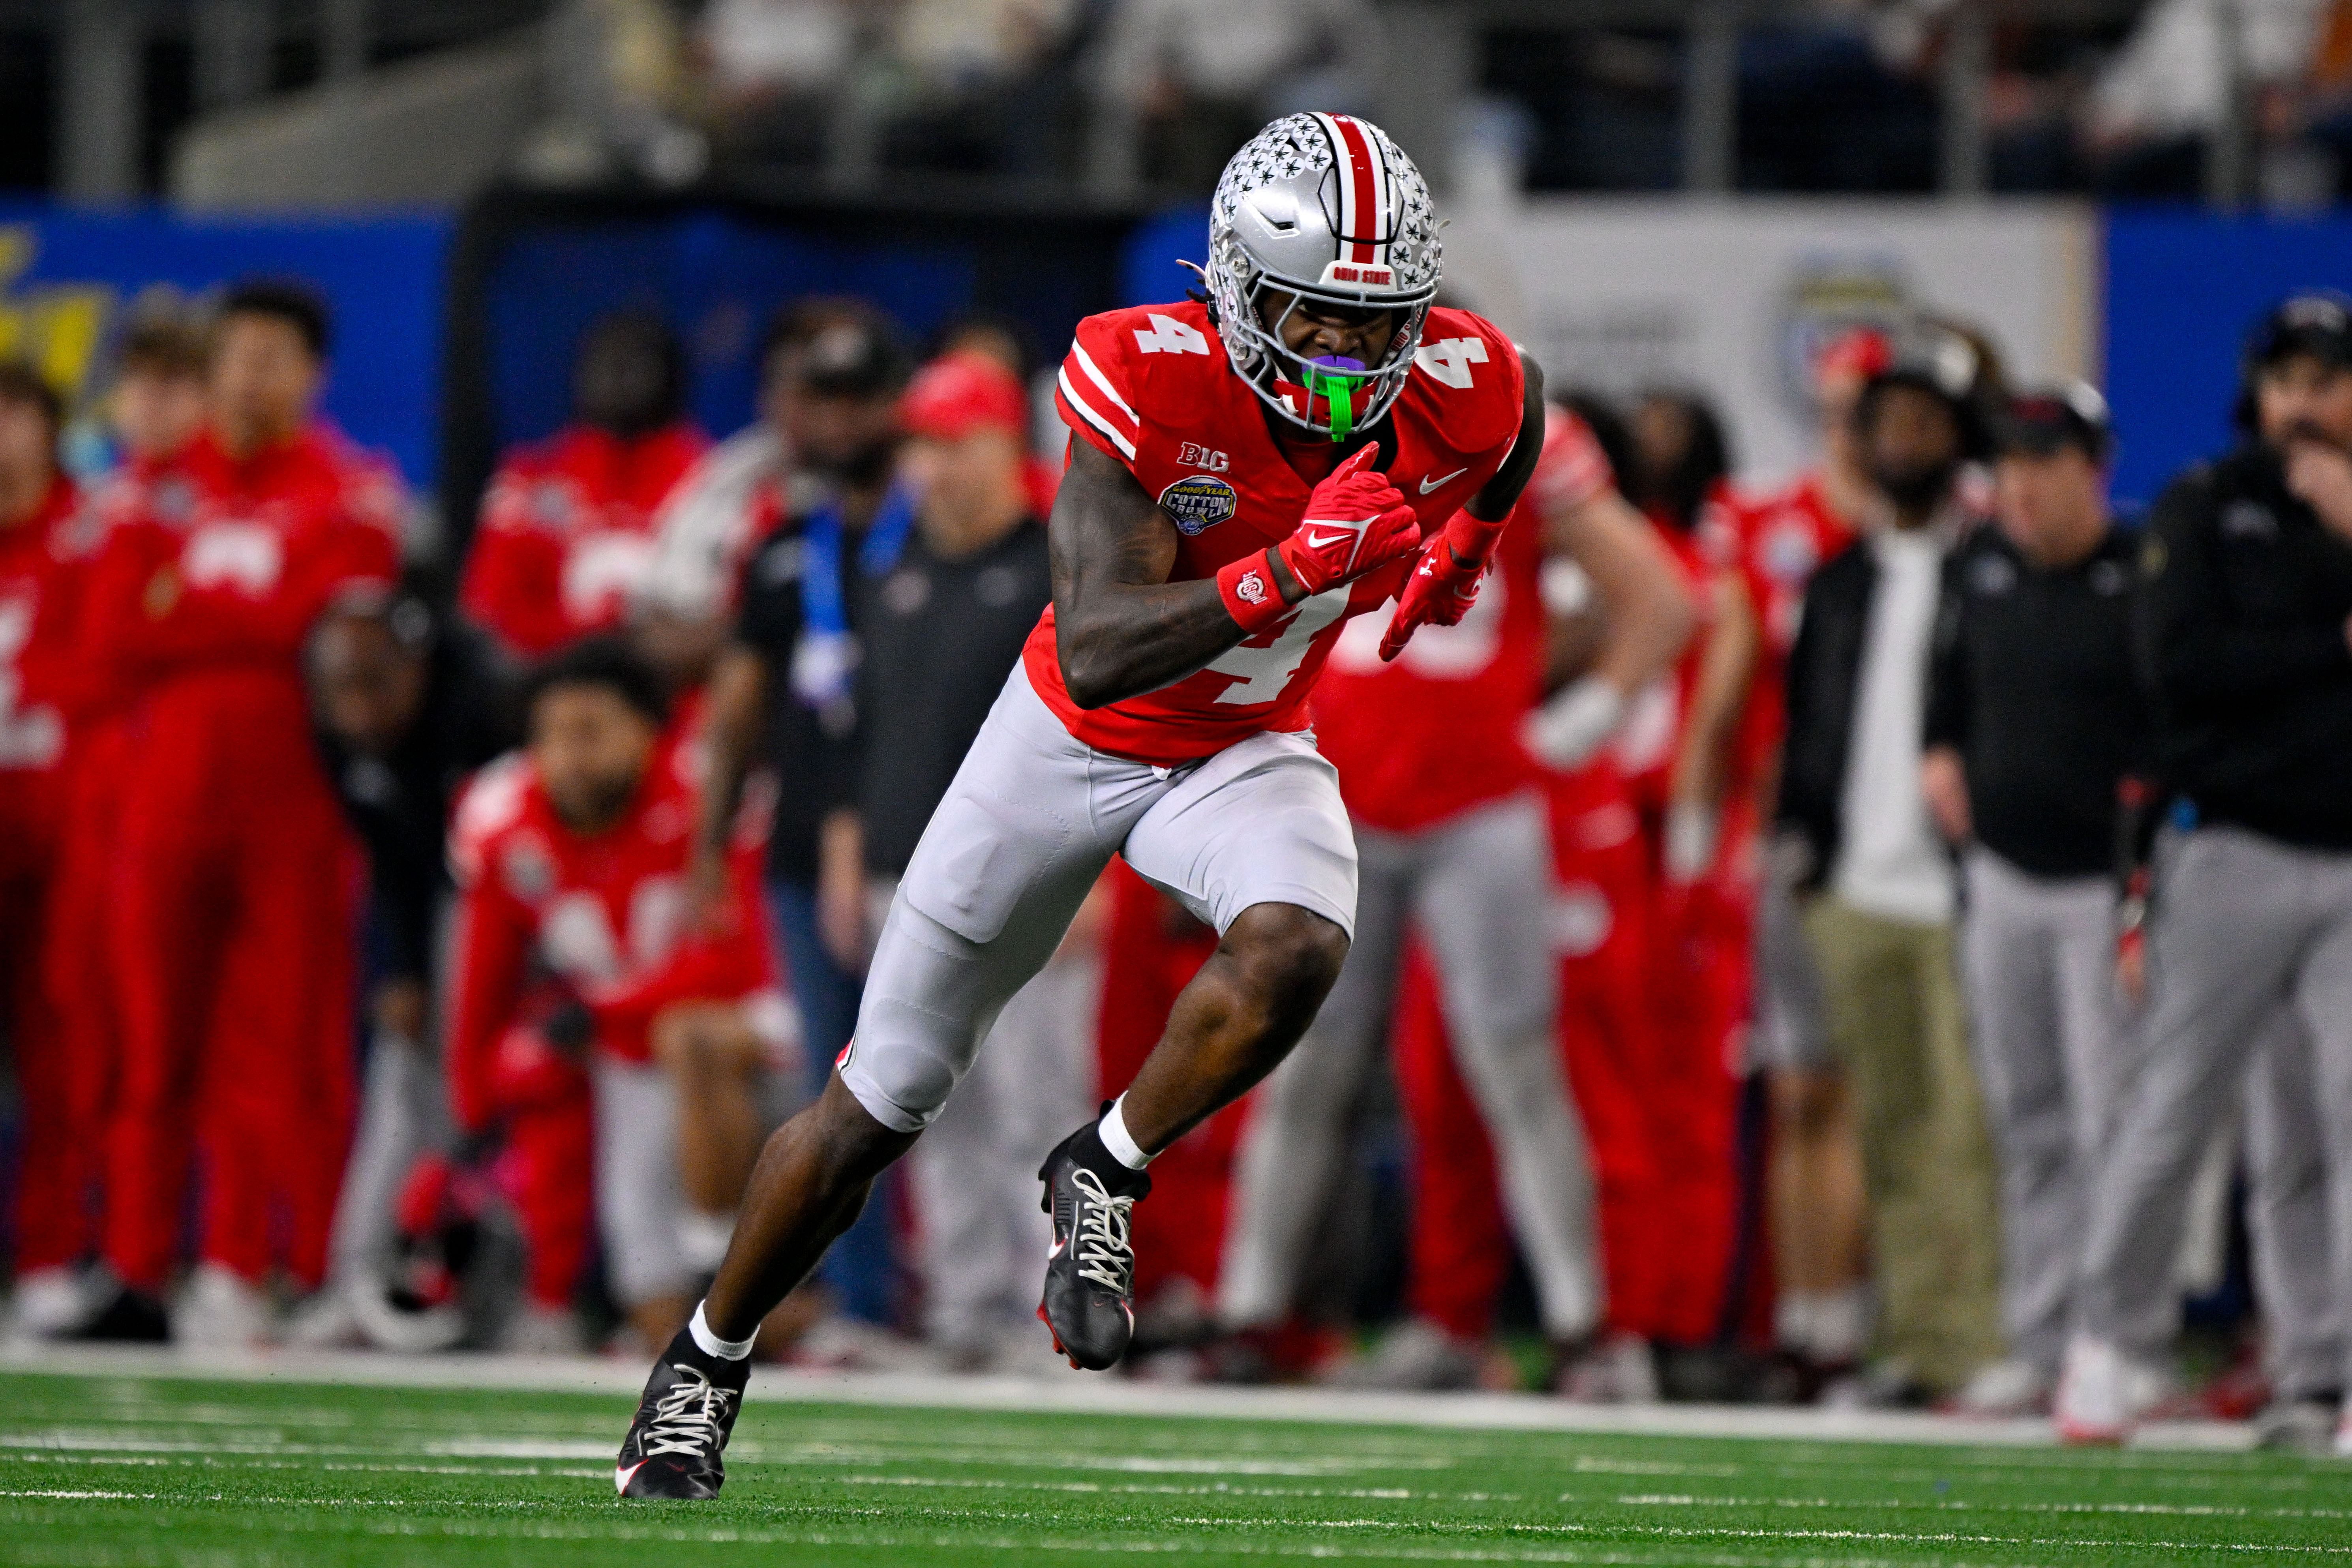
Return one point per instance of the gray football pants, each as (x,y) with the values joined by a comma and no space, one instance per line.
(2242,926)
(401,1114)
(983,1236)
(1478,888)
(2304,1346)
(2038,957)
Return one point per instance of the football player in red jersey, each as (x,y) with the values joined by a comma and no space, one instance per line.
(643,1041)
(234,917)
(1449,825)
(1249,470)
(41,575)
(567,536)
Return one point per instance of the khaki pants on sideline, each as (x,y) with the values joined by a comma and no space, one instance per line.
(1897,1028)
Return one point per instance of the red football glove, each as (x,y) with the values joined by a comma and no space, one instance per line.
(1356,523)
(1440,591)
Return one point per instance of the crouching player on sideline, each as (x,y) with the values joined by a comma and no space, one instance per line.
(1249,470)
(589,1025)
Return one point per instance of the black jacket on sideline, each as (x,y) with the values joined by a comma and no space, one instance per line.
(2031,681)
(2244,598)
(1824,678)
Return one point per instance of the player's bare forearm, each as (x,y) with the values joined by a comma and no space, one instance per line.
(1726,672)
(738,683)
(1121,627)
(1499,494)
(1647,615)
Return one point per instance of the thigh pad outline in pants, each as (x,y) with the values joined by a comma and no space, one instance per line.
(1024,831)
(1259,822)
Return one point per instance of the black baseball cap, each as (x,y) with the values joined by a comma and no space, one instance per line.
(2318,323)
(840,348)
(2041,419)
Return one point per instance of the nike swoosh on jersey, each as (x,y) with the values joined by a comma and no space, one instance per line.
(1429,486)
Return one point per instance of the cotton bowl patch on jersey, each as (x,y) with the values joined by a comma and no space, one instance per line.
(1199,501)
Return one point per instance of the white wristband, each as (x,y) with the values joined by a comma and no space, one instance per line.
(1690,842)
(1576,722)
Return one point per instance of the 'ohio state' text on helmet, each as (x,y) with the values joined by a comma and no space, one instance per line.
(1324,207)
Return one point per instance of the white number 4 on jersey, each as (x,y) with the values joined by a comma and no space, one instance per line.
(1450,359)
(1170,336)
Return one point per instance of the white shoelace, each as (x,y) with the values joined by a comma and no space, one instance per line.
(686,1420)
(1105,1255)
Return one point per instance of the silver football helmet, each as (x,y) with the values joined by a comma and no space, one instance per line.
(1321,206)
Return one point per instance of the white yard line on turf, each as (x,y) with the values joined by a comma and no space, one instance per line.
(1102,1396)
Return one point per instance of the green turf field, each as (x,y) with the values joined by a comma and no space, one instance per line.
(136,1472)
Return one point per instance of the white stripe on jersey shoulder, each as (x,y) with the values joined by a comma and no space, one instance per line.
(1094,374)
(1086,412)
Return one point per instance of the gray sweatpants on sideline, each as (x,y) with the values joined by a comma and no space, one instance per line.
(1478,888)
(2243,925)
(2304,1346)
(401,1114)
(2037,958)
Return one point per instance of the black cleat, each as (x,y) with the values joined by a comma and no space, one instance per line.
(129,1317)
(675,1445)
(1089,1303)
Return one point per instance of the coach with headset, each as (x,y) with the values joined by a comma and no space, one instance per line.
(2244,645)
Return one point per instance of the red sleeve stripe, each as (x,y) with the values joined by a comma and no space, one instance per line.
(1094,374)
(1085,411)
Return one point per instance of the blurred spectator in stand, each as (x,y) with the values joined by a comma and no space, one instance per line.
(939,634)
(154,409)
(234,919)
(1816,1213)
(784,694)
(619,96)
(566,540)
(407,706)
(1839,100)
(592,1025)
(2037,736)
(1877,883)
(774,73)
(42,573)
(2153,113)
(992,83)
(1195,78)
(2244,644)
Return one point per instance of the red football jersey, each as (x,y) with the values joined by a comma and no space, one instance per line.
(604,915)
(567,535)
(1437,731)
(41,577)
(1152,387)
(1782,539)
(212,560)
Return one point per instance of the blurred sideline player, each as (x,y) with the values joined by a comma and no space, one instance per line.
(155,407)
(42,573)
(567,539)
(1817,1216)
(592,1027)
(1243,480)
(232,924)
(1452,838)
(408,705)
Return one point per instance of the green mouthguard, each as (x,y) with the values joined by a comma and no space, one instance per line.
(1337,391)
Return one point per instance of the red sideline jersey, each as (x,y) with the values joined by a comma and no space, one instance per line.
(567,533)
(1437,732)
(605,916)
(1150,387)
(42,566)
(1782,539)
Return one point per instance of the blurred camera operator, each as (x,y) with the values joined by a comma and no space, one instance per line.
(2036,732)
(2245,646)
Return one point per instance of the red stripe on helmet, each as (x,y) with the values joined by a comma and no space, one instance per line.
(1360,171)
